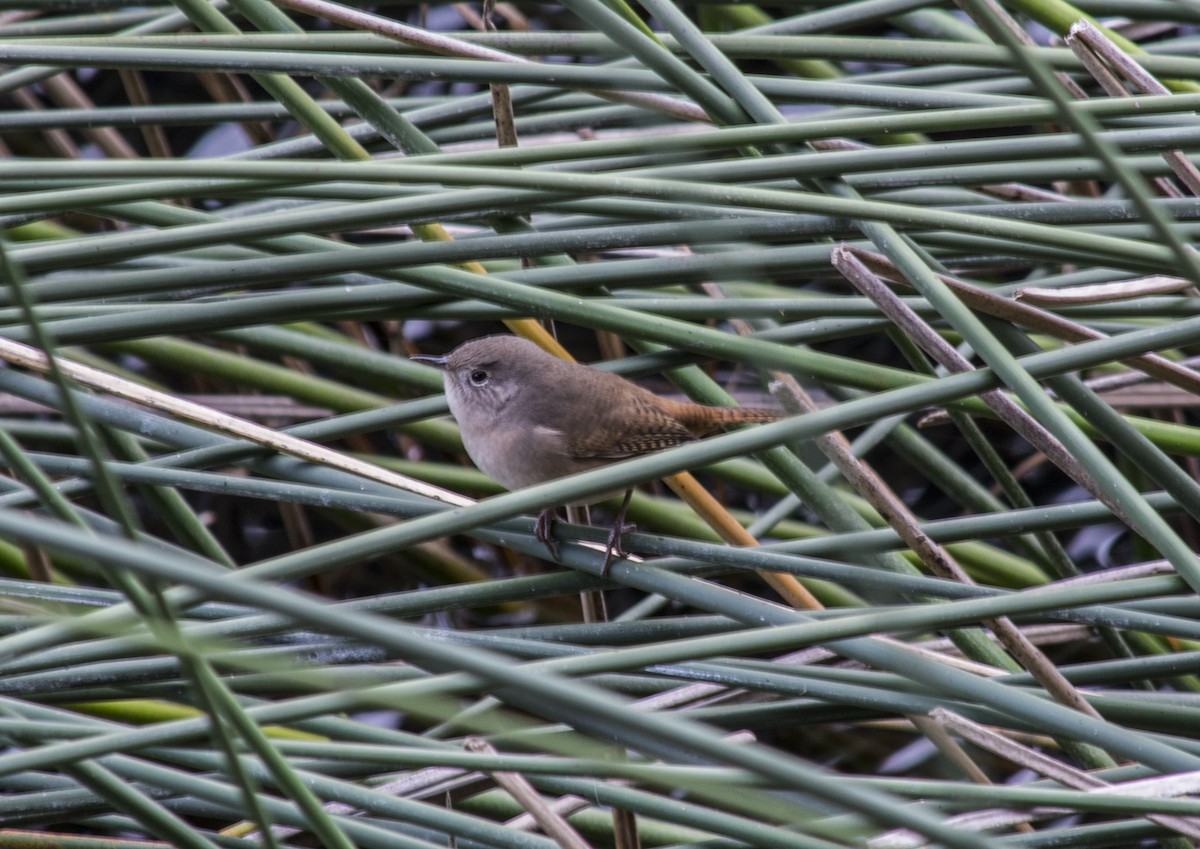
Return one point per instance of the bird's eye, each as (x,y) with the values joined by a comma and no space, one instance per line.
(479,377)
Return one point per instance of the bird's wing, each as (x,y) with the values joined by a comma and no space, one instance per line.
(627,430)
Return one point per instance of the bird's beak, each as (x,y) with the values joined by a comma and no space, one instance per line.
(436,362)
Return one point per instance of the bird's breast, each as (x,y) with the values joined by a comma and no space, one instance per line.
(521,456)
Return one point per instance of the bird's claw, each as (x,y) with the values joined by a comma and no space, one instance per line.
(613,547)
(543,530)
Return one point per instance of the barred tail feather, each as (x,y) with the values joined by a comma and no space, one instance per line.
(700,419)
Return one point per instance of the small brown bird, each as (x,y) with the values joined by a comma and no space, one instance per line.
(527,416)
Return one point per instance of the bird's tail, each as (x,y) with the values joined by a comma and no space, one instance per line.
(701,419)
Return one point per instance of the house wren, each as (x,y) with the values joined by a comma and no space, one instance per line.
(527,416)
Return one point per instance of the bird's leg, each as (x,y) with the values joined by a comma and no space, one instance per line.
(620,526)
(543,530)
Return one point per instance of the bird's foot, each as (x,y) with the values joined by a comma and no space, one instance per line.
(613,548)
(619,528)
(543,530)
